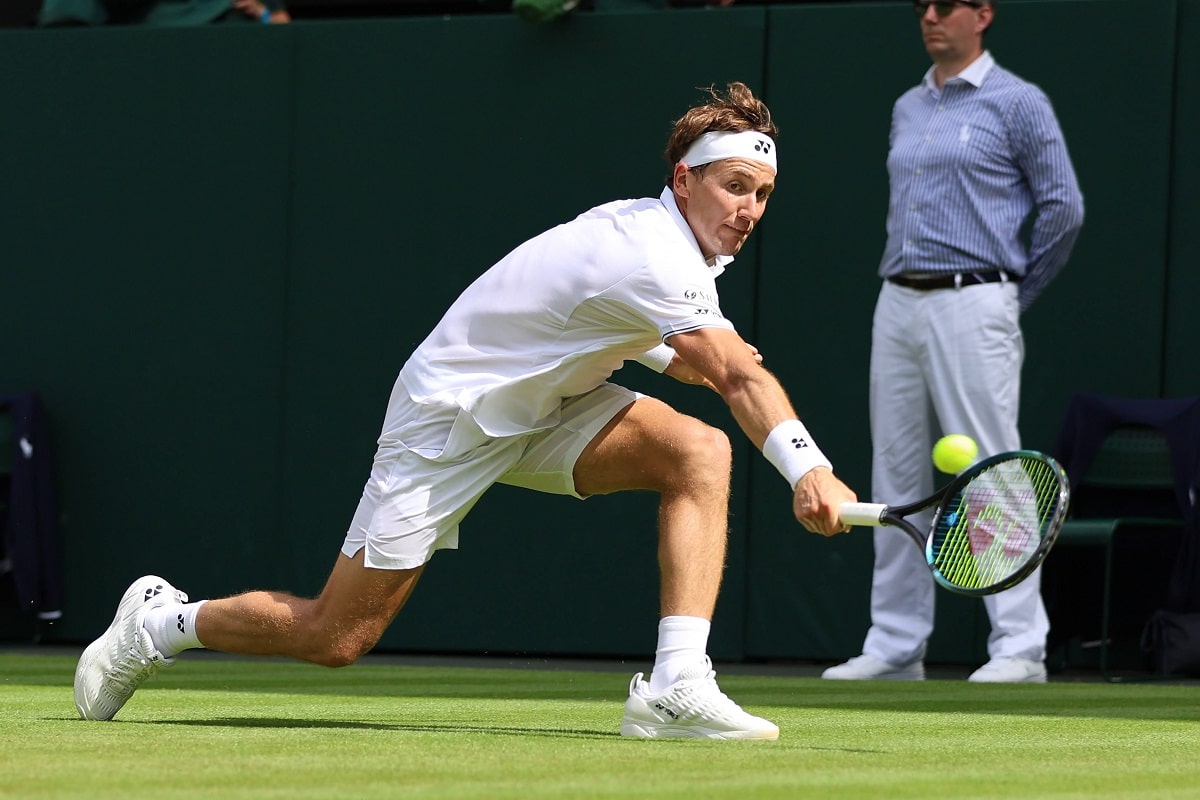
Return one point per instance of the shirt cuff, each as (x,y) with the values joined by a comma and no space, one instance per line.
(657,359)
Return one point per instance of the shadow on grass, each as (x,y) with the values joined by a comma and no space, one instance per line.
(415,727)
(425,727)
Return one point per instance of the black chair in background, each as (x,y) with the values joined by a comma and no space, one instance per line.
(1129,546)
(30,560)
(1123,520)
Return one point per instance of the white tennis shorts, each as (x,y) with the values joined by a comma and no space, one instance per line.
(411,505)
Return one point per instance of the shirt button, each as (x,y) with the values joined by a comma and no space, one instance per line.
(920,171)
(912,206)
(929,138)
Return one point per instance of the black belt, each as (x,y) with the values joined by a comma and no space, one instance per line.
(952,281)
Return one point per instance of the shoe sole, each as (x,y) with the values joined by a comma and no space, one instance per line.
(86,661)
(137,595)
(642,731)
(1030,679)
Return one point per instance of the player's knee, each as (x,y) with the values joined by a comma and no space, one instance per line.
(340,654)
(706,455)
(341,650)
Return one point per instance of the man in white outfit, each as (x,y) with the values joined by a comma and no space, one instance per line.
(512,387)
(975,152)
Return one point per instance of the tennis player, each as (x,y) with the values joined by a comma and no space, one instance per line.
(512,386)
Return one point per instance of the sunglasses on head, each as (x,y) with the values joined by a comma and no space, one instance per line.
(943,8)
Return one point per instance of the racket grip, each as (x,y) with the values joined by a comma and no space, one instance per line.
(869,514)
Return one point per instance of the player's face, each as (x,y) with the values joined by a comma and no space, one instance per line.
(723,202)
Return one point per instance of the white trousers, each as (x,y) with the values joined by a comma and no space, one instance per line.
(942,361)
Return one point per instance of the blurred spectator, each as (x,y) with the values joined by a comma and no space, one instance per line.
(546,10)
(56,13)
(270,12)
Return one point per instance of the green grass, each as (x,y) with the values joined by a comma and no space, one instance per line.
(228,729)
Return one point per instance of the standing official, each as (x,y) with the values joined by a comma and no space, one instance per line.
(983,212)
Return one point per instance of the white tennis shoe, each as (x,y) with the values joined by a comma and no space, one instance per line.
(112,667)
(694,707)
(1010,670)
(870,668)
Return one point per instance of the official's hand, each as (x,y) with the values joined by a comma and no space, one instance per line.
(817,502)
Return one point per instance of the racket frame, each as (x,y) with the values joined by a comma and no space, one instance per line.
(864,513)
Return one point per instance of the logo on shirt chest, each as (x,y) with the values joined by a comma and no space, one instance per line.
(706,302)
(701,295)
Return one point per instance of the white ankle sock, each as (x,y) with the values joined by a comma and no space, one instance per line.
(172,627)
(681,641)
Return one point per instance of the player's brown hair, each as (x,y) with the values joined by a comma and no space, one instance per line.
(735,110)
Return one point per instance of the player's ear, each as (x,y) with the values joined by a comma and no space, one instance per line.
(679,179)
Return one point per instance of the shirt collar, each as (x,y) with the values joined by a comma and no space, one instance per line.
(974,74)
(668,199)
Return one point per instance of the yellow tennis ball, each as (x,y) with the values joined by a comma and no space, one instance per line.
(954,453)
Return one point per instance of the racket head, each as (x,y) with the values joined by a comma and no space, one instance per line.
(997,521)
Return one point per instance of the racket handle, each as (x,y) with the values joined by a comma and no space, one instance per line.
(869,514)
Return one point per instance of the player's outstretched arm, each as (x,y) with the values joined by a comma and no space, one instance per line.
(683,372)
(759,403)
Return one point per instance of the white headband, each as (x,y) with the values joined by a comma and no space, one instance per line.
(716,145)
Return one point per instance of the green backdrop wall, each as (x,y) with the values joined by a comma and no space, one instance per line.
(222,243)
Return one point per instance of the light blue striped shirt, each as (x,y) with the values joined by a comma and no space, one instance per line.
(980,180)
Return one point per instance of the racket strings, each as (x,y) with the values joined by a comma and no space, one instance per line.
(994,525)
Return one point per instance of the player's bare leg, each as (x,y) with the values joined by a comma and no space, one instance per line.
(334,629)
(652,446)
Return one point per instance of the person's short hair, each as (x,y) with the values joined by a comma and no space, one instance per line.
(735,110)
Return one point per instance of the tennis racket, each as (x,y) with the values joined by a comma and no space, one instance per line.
(994,523)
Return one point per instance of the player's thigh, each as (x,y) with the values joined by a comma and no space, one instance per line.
(548,457)
(650,445)
(411,506)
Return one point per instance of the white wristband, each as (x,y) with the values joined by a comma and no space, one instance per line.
(657,359)
(790,447)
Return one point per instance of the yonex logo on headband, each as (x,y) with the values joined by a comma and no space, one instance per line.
(716,145)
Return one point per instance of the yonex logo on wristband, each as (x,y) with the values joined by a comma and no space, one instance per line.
(790,448)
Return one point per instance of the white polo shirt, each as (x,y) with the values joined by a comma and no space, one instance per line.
(553,319)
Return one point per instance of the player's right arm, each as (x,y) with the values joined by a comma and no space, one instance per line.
(726,363)
(681,371)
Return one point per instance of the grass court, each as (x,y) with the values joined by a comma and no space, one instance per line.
(227,728)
